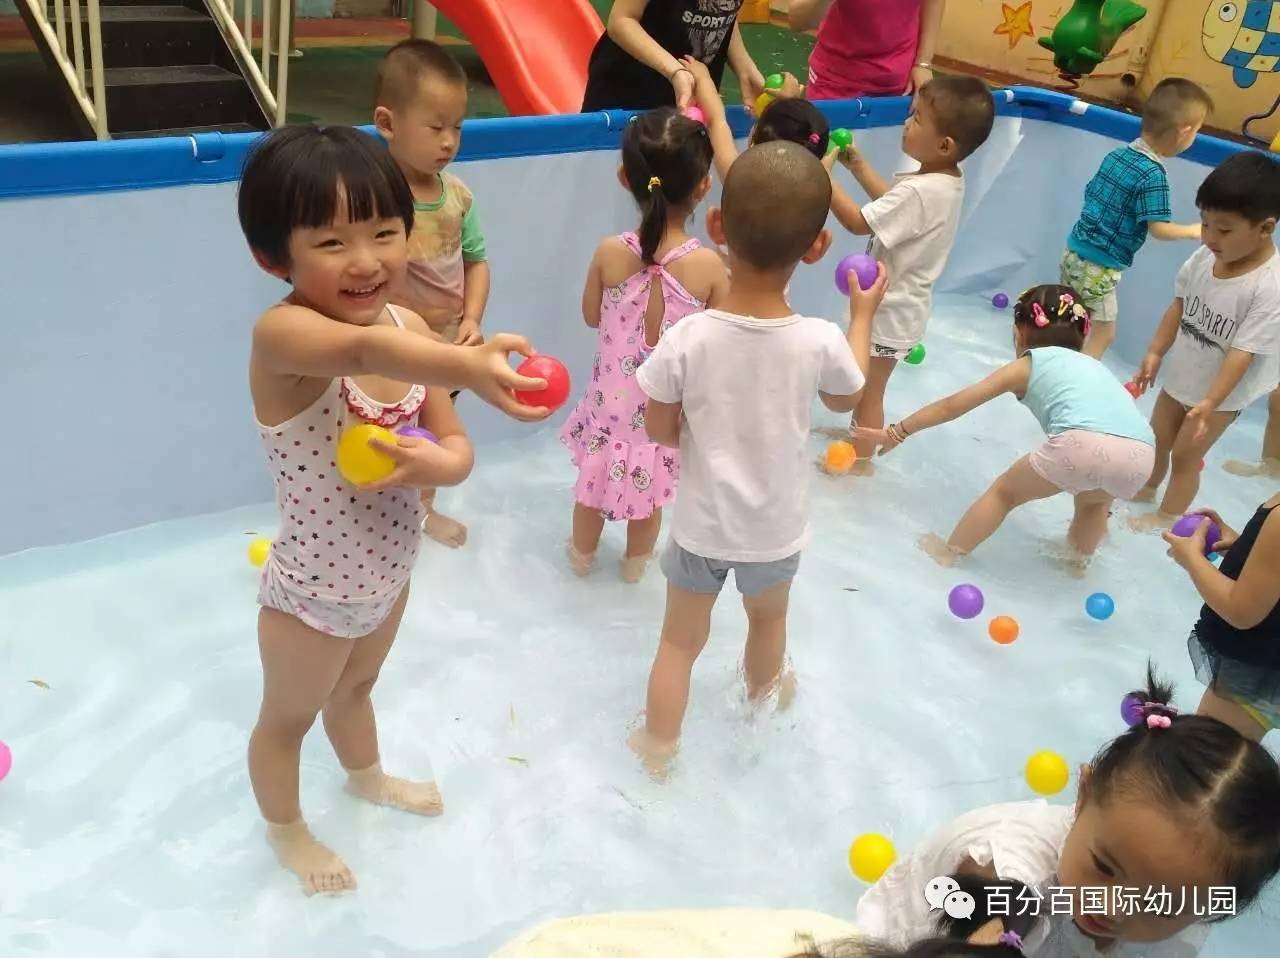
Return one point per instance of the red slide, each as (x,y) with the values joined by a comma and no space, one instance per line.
(535,50)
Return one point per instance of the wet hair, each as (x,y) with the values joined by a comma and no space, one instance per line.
(1225,785)
(775,203)
(962,109)
(1064,327)
(402,70)
(1247,183)
(796,120)
(664,158)
(1173,104)
(295,176)
(993,898)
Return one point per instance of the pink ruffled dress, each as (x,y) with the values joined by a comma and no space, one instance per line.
(620,471)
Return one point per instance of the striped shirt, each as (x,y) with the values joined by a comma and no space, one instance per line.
(1129,191)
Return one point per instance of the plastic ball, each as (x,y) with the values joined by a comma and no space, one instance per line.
(1003,629)
(915,356)
(1000,301)
(6,760)
(556,375)
(1100,606)
(1133,389)
(1186,527)
(841,138)
(259,550)
(1047,773)
(840,457)
(870,857)
(1131,709)
(417,432)
(695,113)
(860,264)
(966,601)
(359,463)
(762,102)
(774,81)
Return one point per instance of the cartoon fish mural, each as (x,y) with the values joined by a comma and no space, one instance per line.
(1244,35)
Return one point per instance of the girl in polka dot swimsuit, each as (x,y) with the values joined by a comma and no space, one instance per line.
(327,210)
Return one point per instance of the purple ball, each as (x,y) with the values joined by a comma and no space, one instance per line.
(1000,301)
(1131,709)
(1186,527)
(417,432)
(863,265)
(965,601)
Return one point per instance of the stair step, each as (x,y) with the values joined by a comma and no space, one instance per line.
(163,76)
(140,99)
(190,131)
(153,11)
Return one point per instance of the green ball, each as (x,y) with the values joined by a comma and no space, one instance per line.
(842,138)
(773,81)
(916,356)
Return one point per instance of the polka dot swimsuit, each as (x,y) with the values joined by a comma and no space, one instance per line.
(343,555)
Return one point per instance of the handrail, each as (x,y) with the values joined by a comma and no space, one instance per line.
(69,58)
(275,16)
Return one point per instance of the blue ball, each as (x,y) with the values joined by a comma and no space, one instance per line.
(1100,605)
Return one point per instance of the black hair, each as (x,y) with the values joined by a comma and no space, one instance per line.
(1017,907)
(1174,103)
(775,204)
(963,110)
(294,176)
(1064,327)
(664,156)
(1205,769)
(401,71)
(796,120)
(1247,183)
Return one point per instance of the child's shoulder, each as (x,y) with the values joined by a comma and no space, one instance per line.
(455,185)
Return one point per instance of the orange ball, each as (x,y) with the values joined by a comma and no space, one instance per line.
(840,457)
(1003,629)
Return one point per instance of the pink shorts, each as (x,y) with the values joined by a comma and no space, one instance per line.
(351,619)
(1079,461)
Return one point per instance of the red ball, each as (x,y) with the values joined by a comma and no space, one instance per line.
(1133,389)
(556,376)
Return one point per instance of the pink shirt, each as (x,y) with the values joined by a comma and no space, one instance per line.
(865,48)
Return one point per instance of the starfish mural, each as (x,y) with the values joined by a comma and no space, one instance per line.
(1017,23)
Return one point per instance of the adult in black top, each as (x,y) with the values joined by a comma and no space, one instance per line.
(636,64)
(1235,645)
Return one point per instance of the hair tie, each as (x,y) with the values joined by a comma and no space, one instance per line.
(815,139)
(1159,721)
(1037,313)
(655,183)
(1010,938)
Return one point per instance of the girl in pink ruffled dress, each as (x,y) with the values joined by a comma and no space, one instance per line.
(639,285)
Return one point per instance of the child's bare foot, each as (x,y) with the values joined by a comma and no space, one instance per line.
(786,690)
(1238,467)
(863,467)
(320,871)
(1151,522)
(1145,494)
(936,548)
(580,562)
(633,568)
(374,785)
(654,755)
(446,531)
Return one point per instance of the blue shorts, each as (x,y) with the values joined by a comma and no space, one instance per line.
(693,573)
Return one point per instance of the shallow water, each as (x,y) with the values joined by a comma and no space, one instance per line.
(127,826)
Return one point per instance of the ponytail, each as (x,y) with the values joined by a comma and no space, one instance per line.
(653,219)
(665,157)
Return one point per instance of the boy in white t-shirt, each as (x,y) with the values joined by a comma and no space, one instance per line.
(1221,334)
(733,389)
(913,222)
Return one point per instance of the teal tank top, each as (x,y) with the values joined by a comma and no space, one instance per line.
(1069,390)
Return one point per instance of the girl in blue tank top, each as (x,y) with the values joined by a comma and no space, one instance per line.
(1097,447)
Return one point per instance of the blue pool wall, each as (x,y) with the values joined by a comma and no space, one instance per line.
(129,294)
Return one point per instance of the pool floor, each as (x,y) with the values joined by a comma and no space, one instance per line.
(130,681)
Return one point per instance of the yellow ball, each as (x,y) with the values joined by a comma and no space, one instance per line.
(259,549)
(1047,773)
(762,102)
(840,457)
(359,463)
(870,856)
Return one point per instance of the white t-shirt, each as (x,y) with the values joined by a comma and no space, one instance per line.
(915,225)
(1022,841)
(718,933)
(1219,315)
(747,388)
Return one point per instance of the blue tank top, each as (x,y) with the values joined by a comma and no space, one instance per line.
(1069,390)
(1261,644)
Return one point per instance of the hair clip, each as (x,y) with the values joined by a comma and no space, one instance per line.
(1037,313)
(1010,938)
(1159,721)
(815,139)
(1065,302)
(655,183)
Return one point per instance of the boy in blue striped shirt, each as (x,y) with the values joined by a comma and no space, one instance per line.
(1128,200)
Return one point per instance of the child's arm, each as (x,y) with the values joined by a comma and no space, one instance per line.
(1233,369)
(662,422)
(872,183)
(750,79)
(1010,378)
(293,340)
(625,30)
(661,378)
(593,292)
(862,310)
(724,149)
(476,279)
(1161,343)
(423,464)
(1173,231)
(1242,602)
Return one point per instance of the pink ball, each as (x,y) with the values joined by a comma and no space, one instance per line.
(695,113)
(864,266)
(6,760)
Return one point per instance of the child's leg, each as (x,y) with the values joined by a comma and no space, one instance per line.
(1231,713)
(642,538)
(1020,484)
(353,731)
(445,530)
(1166,420)
(1101,336)
(588,526)
(870,411)
(766,648)
(1270,464)
(1184,473)
(1089,524)
(300,668)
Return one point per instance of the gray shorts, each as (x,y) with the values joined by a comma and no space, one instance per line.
(693,573)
